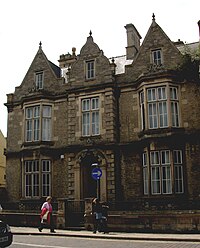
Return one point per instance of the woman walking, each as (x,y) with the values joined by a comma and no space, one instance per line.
(46,215)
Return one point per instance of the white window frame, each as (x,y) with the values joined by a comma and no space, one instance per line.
(46,177)
(162,105)
(145,174)
(37,178)
(157,57)
(166,172)
(90,116)
(31,178)
(174,107)
(39,80)
(90,69)
(178,171)
(38,123)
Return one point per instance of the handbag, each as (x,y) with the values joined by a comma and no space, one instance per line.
(44,218)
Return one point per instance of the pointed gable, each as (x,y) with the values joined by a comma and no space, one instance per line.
(42,75)
(156,53)
(91,66)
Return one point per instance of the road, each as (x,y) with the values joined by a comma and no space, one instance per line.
(31,241)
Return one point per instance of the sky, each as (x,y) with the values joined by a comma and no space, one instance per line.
(63,24)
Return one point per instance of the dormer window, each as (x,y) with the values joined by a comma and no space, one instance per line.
(157,57)
(90,69)
(39,76)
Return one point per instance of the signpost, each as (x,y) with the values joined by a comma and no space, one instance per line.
(96,175)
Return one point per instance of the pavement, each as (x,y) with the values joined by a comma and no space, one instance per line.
(111,235)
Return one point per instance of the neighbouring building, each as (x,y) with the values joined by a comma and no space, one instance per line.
(2,161)
(135,118)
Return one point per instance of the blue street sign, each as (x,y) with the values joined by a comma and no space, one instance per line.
(96,173)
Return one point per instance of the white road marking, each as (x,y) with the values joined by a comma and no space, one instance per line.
(45,246)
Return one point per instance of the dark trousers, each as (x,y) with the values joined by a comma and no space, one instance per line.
(50,225)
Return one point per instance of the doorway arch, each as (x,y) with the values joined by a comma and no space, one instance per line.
(85,185)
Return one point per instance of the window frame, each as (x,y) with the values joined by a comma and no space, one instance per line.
(159,107)
(39,80)
(90,116)
(157,57)
(37,126)
(34,178)
(165,172)
(90,69)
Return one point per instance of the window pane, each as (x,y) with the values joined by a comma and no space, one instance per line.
(86,105)
(46,129)
(165,157)
(36,129)
(28,184)
(162,93)
(157,57)
(166,180)
(178,179)
(35,184)
(177,157)
(36,111)
(173,93)
(151,95)
(155,180)
(155,158)
(162,109)
(28,130)
(90,69)
(86,124)
(152,112)
(46,111)
(95,123)
(29,113)
(39,80)
(144,159)
(95,103)
(174,114)
(145,181)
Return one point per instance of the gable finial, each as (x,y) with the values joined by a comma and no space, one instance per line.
(40,44)
(90,33)
(153,17)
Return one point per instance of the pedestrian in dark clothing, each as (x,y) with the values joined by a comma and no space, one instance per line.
(97,214)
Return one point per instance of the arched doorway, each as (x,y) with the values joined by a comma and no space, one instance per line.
(85,185)
(88,184)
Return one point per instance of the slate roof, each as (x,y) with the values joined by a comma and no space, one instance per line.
(121,61)
(55,68)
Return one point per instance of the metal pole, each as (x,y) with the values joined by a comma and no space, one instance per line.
(98,189)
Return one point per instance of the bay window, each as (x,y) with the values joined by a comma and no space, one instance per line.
(38,123)
(159,107)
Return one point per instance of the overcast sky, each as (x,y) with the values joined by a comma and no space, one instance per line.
(63,24)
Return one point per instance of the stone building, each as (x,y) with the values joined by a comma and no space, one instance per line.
(134,117)
(2,161)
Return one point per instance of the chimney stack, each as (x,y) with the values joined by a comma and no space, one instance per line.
(199,29)
(133,41)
